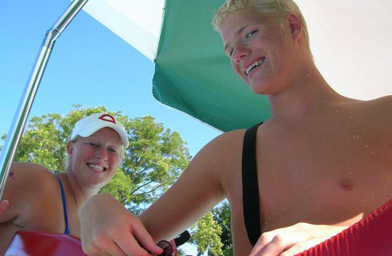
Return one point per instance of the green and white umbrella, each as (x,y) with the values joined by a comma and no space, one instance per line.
(350,41)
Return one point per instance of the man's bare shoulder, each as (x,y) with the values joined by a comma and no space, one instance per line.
(379,109)
(226,143)
(224,150)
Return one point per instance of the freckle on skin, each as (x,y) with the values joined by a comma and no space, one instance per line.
(346,185)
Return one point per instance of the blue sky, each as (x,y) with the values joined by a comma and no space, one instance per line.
(89,65)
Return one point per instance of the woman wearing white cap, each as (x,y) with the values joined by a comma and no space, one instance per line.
(37,199)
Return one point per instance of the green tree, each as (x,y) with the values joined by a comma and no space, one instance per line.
(221,215)
(207,236)
(153,161)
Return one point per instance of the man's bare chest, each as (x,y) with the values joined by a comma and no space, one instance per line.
(322,177)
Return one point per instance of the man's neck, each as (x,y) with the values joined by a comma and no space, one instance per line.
(308,93)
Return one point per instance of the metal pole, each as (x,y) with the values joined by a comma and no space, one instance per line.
(26,101)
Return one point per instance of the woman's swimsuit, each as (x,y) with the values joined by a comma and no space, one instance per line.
(64,207)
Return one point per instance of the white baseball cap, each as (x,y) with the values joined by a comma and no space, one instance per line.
(90,124)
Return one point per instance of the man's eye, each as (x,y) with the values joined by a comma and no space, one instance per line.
(250,34)
(228,52)
(92,144)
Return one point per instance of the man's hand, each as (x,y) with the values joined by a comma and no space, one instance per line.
(294,239)
(107,228)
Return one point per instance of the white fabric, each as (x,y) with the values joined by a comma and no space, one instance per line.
(351,43)
(87,126)
(138,22)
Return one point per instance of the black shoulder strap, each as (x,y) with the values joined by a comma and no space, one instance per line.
(250,186)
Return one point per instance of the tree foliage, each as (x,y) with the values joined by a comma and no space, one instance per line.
(207,236)
(212,234)
(222,217)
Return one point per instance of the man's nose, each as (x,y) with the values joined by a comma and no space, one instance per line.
(240,53)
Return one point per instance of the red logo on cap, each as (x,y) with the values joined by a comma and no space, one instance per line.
(107,118)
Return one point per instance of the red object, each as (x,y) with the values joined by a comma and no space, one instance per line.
(42,243)
(371,236)
(174,248)
(38,243)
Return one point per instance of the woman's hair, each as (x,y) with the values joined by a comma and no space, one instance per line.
(278,8)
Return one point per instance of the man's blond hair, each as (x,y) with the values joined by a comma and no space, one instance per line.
(278,8)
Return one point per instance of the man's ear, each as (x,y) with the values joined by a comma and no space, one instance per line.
(295,25)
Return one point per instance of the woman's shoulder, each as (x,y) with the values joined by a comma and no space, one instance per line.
(32,177)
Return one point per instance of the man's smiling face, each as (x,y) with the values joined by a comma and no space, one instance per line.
(259,49)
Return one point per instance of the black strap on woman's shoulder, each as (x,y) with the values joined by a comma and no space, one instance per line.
(250,188)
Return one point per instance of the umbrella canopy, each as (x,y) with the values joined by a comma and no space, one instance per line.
(349,40)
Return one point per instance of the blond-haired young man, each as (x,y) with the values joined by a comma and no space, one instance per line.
(319,164)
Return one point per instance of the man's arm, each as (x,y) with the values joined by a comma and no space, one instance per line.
(108,228)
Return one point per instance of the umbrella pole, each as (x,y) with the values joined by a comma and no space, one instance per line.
(26,101)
